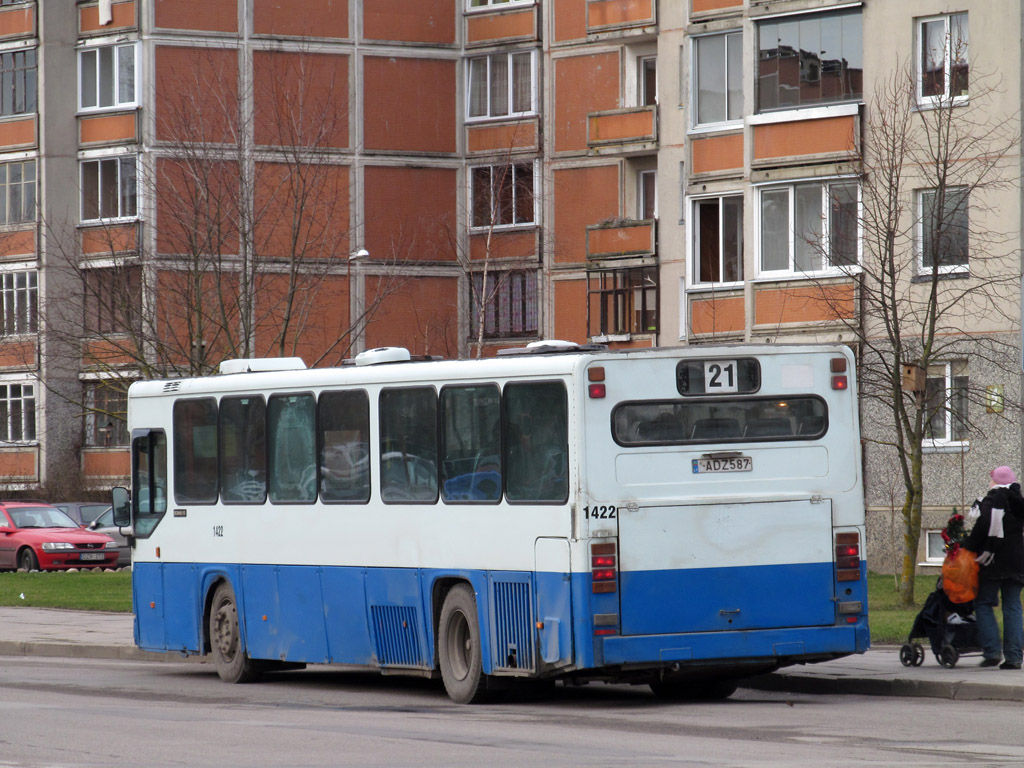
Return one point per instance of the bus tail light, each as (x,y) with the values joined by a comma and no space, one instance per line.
(595,387)
(838,367)
(848,556)
(604,569)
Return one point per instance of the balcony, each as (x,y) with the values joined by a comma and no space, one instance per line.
(625,242)
(630,131)
(617,18)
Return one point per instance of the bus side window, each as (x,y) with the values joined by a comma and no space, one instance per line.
(291,435)
(408,445)
(344,423)
(471,443)
(537,442)
(243,449)
(195,451)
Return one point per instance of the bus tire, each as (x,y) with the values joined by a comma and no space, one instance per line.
(459,651)
(232,662)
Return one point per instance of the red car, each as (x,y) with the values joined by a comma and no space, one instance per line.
(38,536)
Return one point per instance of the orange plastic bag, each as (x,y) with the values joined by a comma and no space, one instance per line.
(960,576)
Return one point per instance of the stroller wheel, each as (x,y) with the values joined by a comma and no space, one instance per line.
(918,655)
(949,656)
(907,655)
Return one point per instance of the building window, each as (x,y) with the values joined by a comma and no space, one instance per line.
(17,192)
(943,229)
(17,413)
(501,85)
(112,300)
(946,403)
(106,77)
(509,301)
(809,59)
(21,302)
(934,547)
(499,3)
(109,189)
(718,240)
(17,82)
(106,418)
(647,81)
(623,301)
(810,227)
(502,195)
(718,64)
(647,195)
(942,63)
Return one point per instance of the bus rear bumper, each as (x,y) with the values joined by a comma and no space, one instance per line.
(782,646)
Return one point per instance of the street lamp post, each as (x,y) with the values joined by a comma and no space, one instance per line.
(355,296)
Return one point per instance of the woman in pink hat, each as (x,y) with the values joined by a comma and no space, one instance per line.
(998,541)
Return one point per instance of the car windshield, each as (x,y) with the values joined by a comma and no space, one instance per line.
(40,517)
(106,520)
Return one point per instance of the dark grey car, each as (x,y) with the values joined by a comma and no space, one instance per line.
(82,512)
(104,523)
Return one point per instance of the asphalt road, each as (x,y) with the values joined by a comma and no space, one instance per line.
(78,713)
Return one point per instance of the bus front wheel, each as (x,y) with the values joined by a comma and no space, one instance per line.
(459,647)
(233,665)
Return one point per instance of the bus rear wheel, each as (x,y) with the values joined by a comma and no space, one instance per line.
(459,647)
(233,665)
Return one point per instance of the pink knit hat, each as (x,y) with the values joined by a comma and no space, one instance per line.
(1003,476)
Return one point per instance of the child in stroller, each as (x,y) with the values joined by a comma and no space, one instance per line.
(949,627)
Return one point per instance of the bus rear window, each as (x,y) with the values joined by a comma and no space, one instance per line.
(681,422)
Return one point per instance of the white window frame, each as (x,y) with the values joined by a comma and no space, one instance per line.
(791,270)
(131,159)
(641,78)
(947,61)
(695,83)
(491,224)
(509,56)
(117,104)
(20,303)
(29,420)
(947,443)
(493,5)
(945,269)
(930,557)
(31,186)
(693,272)
(641,193)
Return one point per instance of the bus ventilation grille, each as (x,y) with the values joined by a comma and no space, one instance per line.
(513,626)
(397,641)
(172,386)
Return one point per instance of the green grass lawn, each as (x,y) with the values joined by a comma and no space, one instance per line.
(82,591)
(107,591)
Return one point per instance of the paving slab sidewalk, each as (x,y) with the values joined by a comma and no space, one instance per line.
(91,634)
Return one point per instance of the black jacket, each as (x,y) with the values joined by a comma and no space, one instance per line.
(998,534)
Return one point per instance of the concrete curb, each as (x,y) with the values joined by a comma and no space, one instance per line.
(82,651)
(958,690)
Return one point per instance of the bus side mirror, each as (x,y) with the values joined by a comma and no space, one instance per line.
(121,501)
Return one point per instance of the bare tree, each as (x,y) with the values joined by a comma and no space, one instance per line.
(245,248)
(937,278)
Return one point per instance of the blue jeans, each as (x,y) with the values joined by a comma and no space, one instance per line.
(989,593)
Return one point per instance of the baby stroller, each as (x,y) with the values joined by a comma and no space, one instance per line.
(949,627)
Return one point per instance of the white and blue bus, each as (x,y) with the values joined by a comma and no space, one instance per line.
(679,518)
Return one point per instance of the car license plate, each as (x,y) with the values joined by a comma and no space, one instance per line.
(93,556)
(730,464)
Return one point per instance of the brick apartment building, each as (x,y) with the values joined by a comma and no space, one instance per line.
(631,172)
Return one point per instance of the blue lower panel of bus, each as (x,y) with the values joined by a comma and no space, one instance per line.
(710,599)
(385,617)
